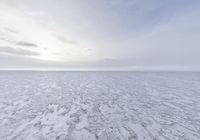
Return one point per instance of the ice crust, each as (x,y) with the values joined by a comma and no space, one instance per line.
(99,105)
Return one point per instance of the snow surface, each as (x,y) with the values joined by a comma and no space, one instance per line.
(99,105)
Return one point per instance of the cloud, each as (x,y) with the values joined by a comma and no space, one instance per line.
(20,43)
(4,39)
(7,40)
(27,44)
(65,40)
(10,30)
(14,51)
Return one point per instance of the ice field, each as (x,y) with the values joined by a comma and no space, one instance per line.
(99,105)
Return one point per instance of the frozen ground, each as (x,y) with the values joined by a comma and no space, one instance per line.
(99,105)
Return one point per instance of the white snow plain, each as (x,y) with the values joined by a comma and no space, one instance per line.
(99,105)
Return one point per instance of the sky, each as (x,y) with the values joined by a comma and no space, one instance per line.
(99,34)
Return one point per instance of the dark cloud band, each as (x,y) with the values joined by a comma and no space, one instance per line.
(28,44)
(14,51)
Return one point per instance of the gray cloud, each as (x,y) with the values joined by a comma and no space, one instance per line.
(10,30)
(65,40)
(14,51)
(3,39)
(20,43)
(27,44)
(7,40)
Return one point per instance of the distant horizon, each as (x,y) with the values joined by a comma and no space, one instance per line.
(136,68)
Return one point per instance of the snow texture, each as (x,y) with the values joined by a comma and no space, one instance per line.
(99,105)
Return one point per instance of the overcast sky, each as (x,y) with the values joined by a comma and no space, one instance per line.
(123,34)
